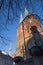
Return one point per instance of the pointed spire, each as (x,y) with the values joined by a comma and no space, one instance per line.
(21,17)
(26,12)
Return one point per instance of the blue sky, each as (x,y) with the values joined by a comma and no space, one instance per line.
(35,8)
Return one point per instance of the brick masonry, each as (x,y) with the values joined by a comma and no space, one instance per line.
(24,36)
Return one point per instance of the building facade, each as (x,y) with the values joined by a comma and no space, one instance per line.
(5,59)
(28,34)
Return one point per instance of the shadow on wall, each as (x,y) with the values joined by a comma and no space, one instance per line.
(34,46)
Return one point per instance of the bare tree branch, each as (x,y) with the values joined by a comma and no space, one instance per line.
(14,8)
(1,4)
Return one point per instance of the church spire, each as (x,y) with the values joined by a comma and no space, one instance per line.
(21,17)
(26,12)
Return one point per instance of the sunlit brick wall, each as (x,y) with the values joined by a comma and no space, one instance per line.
(23,32)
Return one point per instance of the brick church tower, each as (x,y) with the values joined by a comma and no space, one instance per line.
(28,34)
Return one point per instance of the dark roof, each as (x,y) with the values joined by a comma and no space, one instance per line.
(5,56)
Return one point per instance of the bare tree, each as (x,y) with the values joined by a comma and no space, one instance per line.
(12,6)
(10,10)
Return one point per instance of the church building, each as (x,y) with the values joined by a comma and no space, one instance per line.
(28,34)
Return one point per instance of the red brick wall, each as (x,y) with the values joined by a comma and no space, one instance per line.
(27,23)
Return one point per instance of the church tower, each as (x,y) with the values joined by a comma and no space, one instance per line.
(28,34)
